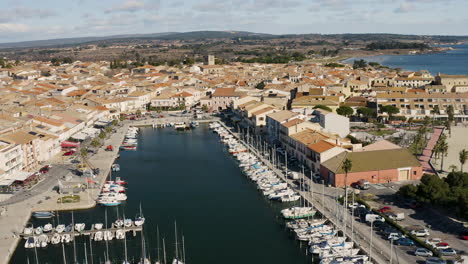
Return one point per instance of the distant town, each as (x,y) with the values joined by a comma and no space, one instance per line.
(395,127)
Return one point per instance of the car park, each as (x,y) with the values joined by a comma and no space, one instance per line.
(423,252)
(420,233)
(448,252)
(435,260)
(404,241)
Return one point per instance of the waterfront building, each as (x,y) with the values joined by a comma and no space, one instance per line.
(380,166)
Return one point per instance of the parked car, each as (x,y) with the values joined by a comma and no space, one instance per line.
(69,153)
(448,252)
(356,205)
(396,216)
(317,177)
(404,241)
(442,245)
(44,169)
(433,241)
(361,184)
(420,233)
(385,209)
(464,235)
(435,260)
(394,236)
(374,217)
(423,252)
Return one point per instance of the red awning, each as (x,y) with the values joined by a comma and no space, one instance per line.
(70,144)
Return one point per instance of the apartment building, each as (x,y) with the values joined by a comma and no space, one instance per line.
(452,82)
(274,121)
(421,104)
(332,123)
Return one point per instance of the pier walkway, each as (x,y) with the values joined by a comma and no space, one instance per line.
(322,198)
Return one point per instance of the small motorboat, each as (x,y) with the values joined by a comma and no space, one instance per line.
(80,227)
(119,223)
(108,235)
(69,228)
(47,228)
(43,240)
(139,221)
(128,222)
(30,242)
(38,230)
(43,215)
(120,234)
(98,236)
(66,238)
(55,239)
(98,226)
(28,230)
(115,167)
(60,228)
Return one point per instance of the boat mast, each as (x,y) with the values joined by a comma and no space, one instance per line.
(175,228)
(157,243)
(35,248)
(73,234)
(125,242)
(183,250)
(85,253)
(164,250)
(63,254)
(107,243)
(91,250)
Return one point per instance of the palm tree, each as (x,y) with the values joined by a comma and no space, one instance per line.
(410,122)
(450,118)
(462,157)
(453,168)
(347,166)
(443,148)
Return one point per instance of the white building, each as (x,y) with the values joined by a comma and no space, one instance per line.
(333,123)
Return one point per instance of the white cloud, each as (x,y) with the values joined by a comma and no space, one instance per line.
(13,28)
(128,6)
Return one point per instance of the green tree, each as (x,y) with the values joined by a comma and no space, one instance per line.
(323,107)
(462,157)
(115,122)
(443,149)
(102,135)
(390,110)
(95,143)
(366,112)
(260,85)
(204,108)
(453,168)
(358,64)
(138,112)
(83,153)
(433,189)
(345,110)
(108,129)
(410,122)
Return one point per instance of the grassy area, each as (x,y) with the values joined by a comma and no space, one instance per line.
(69,199)
(381,132)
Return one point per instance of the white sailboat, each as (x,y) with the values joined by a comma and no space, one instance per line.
(176,260)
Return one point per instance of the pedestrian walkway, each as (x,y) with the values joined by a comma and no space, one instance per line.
(426,156)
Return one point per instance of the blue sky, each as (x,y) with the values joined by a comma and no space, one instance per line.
(47,19)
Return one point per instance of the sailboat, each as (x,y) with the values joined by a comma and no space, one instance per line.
(125,246)
(176,260)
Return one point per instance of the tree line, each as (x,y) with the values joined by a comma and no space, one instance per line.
(384,45)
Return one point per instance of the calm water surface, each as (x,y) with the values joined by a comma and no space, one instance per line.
(188,177)
(451,62)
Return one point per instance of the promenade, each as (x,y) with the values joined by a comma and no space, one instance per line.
(323,199)
(426,155)
(43,197)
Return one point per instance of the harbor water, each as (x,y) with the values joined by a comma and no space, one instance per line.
(190,178)
(450,62)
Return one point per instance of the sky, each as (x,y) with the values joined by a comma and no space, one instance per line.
(23,20)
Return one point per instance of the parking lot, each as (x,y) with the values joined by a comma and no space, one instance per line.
(438,224)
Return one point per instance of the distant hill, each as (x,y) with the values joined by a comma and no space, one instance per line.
(197,35)
(165,36)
